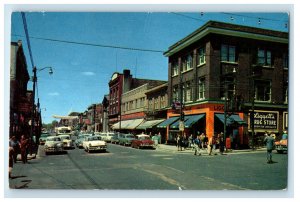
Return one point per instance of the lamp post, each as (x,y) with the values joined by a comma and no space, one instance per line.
(33,100)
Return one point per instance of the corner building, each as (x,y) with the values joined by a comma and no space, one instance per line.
(246,66)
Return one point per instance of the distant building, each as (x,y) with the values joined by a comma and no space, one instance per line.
(221,61)
(119,85)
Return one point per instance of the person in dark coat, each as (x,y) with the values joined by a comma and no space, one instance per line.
(23,147)
(270,142)
(11,161)
(15,144)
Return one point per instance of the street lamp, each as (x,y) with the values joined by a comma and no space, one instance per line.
(33,98)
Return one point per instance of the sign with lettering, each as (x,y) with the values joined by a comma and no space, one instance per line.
(265,120)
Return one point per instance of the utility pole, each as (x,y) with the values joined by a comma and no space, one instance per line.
(252,109)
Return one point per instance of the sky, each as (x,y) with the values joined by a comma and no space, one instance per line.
(81,72)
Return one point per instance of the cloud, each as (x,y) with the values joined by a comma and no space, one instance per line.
(88,73)
(54,94)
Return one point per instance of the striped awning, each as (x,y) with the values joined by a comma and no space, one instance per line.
(149,124)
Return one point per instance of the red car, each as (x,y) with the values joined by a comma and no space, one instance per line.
(143,141)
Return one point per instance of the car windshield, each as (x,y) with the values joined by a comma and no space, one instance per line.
(144,138)
(65,137)
(129,136)
(94,138)
(45,135)
(54,139)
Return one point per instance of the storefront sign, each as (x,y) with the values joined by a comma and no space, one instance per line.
(265,120)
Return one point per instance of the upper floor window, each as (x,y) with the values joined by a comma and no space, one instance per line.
(285,61)
(188,93)
(201,56)
(286,92)
(262,90)
(187,63)
(151,104)
(175,93)
(228,53)
(156,103)
(174,67)
(227,88)
(201,84)
(264,57)
(162,101)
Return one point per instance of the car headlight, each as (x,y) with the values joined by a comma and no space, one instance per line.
(59,145)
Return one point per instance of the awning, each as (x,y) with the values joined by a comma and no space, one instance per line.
(231,119)
(189,121)
(167,122)
(149,124)
(134,123)
(124,124)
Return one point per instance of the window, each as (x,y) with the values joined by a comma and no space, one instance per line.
(156,103)
(162,102)
(188,93)
(264,57)
(228,53)
(285,61)
(201,56)
(187,63)
(286,92)
(201,94)
(262,90)
(175,93)
(142,101)
(174,68)
(227,86)
(151,104)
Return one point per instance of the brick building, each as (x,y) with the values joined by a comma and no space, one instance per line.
(20,97)
(129,92)
(221,61)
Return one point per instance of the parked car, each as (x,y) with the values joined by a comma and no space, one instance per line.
(115,138)
(125,139)
(143,141)
(107,136)
(79,140)
(94,143)
(53,144)
(43,138)
(281,146)
(67,142)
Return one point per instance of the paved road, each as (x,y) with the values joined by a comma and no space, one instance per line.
(125,168)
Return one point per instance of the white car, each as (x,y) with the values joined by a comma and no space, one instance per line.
(94,143)
(67,142)
(107,136)
(53,144)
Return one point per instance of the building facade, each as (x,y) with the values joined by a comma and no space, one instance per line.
(21,98)
(226,70)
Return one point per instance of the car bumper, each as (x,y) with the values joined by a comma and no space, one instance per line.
(281,148)
(54,149)
(97,148)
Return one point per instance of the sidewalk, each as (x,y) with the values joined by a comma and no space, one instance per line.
(174,149)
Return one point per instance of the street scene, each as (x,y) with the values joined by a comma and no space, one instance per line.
(148,101)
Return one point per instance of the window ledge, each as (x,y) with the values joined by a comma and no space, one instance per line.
(174,75)
(232,63)
(187,70)
(202,64)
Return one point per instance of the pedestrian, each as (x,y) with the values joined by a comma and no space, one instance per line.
(284,135)
(178,142)
(159,138)
(197,145)
(15,144)
(11,161)
(222,143)
(23,147)
(212,145)
(269,141)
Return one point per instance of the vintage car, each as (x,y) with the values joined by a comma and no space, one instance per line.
(143,141)
(106,136)
(43,138)
(125,139)
(281,146)
(67,142)
(79,140)
(53,144)
(94,143)
(115,138)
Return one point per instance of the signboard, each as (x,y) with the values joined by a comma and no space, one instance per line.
(265,120)
(181,125)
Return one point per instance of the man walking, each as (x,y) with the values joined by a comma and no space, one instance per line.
(269,141)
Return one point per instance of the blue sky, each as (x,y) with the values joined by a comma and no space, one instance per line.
(82,72)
